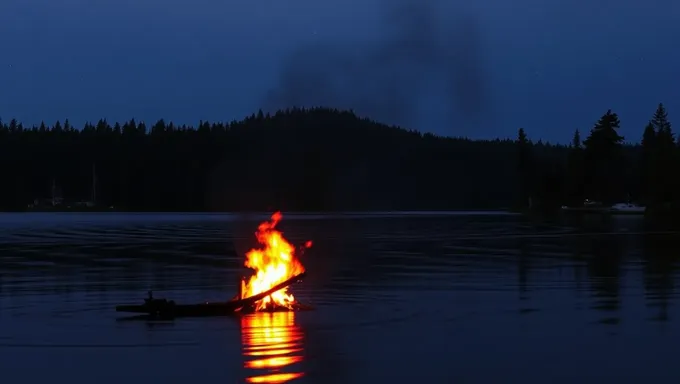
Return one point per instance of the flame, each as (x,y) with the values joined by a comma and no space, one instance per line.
(273,264)
(271,342)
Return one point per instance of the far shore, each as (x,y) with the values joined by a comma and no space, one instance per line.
(217,213)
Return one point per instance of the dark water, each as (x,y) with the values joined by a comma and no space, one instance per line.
(443,298)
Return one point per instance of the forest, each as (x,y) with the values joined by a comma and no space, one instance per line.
(323,159)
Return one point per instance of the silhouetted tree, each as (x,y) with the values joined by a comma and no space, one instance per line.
(524,168)
(575,182)
(665,156)
(604,161)
(648,164)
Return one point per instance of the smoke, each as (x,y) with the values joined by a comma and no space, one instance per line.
(424,51)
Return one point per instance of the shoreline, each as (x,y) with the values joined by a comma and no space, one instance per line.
(300,213)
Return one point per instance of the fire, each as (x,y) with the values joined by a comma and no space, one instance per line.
(273,264)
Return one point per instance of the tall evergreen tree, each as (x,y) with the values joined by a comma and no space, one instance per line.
(665,156)
(524,167)
(661,124)
(14,124)
(575,172)
(648,164)
(576,140)
(604,163)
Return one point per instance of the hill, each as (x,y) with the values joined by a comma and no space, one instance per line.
(298,159)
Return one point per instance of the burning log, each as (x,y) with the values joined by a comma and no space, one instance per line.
(168,309)
(276,267)
(278,287)
(274,262)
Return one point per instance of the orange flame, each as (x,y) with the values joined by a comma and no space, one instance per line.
(273,264)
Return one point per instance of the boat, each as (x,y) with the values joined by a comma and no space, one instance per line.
(628,208)
(168,309)
(590,206)
(57,203)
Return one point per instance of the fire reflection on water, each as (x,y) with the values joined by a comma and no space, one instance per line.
(272,345)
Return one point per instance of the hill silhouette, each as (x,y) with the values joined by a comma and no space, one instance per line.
(317,159)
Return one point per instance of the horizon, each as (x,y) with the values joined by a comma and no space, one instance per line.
(583,132)
(488,77)
(195,126)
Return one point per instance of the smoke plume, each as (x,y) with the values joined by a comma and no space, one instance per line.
(423,51)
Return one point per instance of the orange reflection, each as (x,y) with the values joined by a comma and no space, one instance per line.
(272,343)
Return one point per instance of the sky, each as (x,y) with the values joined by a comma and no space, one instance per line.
(479,69)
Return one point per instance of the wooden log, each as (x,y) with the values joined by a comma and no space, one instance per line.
(164,308)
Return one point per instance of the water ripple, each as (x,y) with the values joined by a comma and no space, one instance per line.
(481,280)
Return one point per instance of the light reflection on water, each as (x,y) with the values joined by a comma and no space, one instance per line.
(272,343)
(467,299)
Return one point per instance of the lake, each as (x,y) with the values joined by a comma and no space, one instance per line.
(446,298)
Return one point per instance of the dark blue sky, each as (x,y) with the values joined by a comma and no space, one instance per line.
(480,70)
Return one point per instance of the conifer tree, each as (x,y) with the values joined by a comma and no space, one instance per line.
(604,161)
(575,171)
(524,167)
(665,156)
(648,164)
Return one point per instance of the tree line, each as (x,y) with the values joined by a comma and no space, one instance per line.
(323,159)
(603,168)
